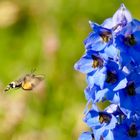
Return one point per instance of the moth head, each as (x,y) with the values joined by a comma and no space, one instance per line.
(12,84)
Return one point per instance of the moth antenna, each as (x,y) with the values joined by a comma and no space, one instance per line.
(33,70)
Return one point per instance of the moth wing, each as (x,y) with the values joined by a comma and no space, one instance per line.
(39,77)
(36,80)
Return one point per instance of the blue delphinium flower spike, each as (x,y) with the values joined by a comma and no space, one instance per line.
(112,66)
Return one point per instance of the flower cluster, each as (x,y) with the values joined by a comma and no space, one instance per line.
(112,66)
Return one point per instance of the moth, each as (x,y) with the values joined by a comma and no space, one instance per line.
(28,82)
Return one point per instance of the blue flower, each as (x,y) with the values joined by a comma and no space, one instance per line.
(110,79)
(97,119)
(101,122)
(98,39)
(90,62)
(129,129)
(128,42)
(115,77)
(130,95)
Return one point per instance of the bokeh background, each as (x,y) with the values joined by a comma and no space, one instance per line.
(47,35)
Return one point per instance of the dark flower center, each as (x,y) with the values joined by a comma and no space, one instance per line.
(104,118)
(132,132)
(130,40)
(130,88)
(92,136)
(101,138)
(97,62)
(106,36)
(111,77)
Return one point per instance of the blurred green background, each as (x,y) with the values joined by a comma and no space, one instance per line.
(48,36)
